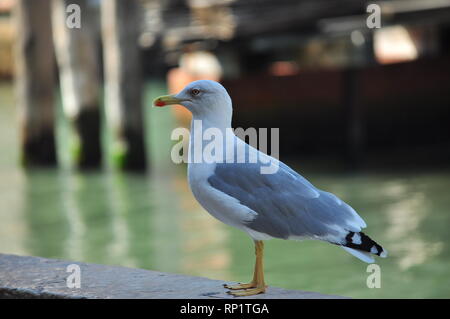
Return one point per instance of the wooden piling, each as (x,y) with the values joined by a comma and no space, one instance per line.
(76,52)
(123,83)
(34,81)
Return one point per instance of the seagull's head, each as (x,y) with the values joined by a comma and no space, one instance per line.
(203,98)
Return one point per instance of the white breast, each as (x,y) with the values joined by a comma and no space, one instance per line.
(220,205)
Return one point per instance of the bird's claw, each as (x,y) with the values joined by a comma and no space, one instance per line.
(248,292)
(240,286)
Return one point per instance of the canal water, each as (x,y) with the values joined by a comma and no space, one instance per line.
(151,221)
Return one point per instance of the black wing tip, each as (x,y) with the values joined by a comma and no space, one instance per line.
(360,241)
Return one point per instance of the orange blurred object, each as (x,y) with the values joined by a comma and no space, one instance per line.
(198,65)
(283,68)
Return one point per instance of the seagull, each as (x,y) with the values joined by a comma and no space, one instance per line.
(280,203)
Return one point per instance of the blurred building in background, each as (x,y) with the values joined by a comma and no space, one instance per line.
(314,68)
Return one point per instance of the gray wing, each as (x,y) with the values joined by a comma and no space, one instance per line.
(286,203)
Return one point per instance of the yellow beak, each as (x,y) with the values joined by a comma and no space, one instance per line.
(166,100)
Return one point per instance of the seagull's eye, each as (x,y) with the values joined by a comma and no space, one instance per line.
(195,92)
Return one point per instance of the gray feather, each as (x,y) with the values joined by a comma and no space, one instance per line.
(286,203)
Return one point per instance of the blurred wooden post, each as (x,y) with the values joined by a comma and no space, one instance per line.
(34,79)
(123,83)
(76,52)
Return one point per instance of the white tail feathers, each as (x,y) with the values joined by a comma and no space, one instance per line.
(361,255)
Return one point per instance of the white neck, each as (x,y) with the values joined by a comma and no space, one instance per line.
(221,121)
(200,124)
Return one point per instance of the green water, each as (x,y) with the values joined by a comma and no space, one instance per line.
(151,221)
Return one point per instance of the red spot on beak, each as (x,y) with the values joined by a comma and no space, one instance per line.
(159,103)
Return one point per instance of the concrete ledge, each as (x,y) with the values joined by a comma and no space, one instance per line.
(35,277)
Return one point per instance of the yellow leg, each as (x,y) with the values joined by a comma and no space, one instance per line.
(257,285)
